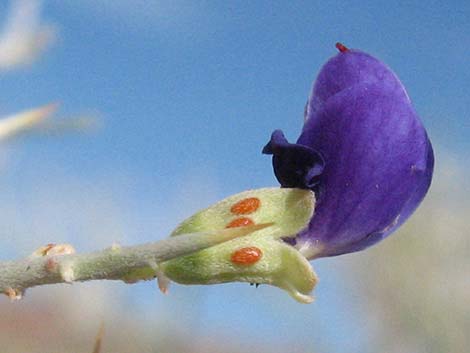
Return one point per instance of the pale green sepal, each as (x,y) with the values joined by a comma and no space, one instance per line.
(183,245)
(290,210)
(280,264)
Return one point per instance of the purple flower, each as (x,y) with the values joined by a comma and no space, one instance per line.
(362,150)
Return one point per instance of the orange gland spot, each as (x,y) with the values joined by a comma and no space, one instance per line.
(342,48)
(246,256)
(240,222)
(246,206)
(45,249)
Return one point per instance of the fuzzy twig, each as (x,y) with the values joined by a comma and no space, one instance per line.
(130,264)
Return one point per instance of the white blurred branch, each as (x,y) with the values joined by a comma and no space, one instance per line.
(13,125)
(55,263)
(37,120)
(24,37)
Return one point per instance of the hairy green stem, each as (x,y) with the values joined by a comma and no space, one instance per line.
(130,263)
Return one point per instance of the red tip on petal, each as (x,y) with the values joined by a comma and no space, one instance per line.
(341,47)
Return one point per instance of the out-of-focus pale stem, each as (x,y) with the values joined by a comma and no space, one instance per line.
(75,124)
(37,121)
(129,264)
(99,339)
(24,36)
(24,121)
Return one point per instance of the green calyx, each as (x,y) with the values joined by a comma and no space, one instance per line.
(260,257)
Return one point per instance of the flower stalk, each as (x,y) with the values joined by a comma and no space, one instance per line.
(55,263)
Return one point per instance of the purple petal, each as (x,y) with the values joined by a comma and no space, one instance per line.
(378,160)
(347,69)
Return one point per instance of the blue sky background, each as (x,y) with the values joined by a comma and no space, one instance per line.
(189,93)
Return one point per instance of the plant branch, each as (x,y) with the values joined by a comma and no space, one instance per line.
(48,265)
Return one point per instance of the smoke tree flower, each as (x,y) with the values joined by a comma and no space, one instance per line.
(361,166)
(365,157)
